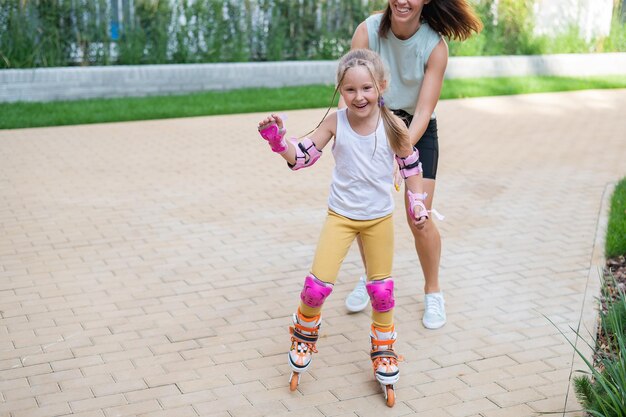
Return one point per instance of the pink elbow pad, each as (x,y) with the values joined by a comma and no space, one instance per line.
(410,165)
(306,155)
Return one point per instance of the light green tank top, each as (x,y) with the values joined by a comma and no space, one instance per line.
(406,61)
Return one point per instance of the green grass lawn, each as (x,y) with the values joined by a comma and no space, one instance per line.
(22,115)
(616,229)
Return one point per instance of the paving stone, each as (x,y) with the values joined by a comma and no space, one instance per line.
(129,286)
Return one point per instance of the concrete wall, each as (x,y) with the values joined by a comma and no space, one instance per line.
(49,84)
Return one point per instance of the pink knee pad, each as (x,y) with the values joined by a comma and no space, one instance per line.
(315,291)
(381,294)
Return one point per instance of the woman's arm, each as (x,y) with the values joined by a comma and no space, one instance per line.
(360,40)
(430,91)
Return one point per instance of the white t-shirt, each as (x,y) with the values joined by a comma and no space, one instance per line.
(363,175)
(406,60)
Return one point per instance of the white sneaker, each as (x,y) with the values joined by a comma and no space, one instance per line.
(434,310)
(358,299)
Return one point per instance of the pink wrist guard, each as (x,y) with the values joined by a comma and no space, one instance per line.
(410,165)
(416,200)
(275,137)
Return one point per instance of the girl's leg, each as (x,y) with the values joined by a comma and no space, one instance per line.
(335,240)
(334,243)
(377,243)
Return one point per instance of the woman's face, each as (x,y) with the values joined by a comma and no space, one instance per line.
(406,11)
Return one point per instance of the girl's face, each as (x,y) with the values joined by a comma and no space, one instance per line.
(406,11)
(359,92)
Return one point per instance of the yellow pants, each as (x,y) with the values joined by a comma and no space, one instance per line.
(335,240)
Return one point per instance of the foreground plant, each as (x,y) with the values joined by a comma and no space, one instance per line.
(602,390)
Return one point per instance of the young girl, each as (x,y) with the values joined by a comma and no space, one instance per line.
(409,36)
(367,135)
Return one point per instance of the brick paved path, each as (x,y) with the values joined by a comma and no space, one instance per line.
(146,270)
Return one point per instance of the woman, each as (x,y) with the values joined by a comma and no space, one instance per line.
(409,35)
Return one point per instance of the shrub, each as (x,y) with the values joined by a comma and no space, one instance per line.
(508,28)
(602,391)
(39,33)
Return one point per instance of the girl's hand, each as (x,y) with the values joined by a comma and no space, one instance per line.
(271,129)
(272,118)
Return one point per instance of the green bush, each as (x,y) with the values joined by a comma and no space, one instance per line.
(61,32)
(145,39)
(602,391)
(566,42)
(46,33)
(616,41)
(508,30)
(40,33)
(18,47)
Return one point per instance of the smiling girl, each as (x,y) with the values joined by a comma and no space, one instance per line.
(367,137)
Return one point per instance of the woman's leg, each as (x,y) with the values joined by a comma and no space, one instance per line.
(358,299)
(428,246)
(427,243)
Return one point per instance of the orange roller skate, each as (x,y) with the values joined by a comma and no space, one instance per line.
(385,361)
(304,335)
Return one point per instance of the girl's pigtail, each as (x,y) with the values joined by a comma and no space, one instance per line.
(396,131)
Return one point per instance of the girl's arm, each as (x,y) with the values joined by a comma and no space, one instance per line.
(286,148)
(430,91)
